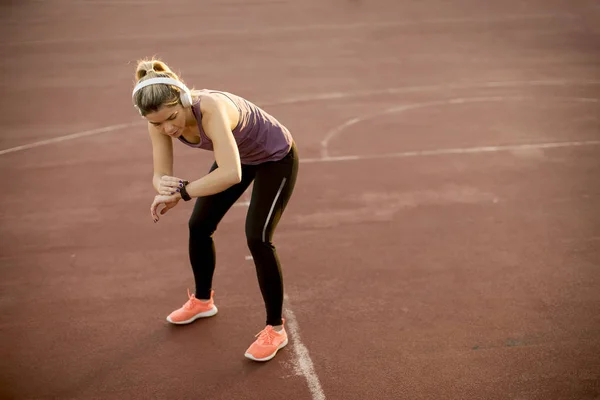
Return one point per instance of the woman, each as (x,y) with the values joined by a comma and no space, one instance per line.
(249,145)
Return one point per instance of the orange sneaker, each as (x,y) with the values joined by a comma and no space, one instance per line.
(192,310)
(267,345)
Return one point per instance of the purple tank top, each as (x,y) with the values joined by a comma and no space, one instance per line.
(259,136)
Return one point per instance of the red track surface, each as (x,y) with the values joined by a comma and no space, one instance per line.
(445,249)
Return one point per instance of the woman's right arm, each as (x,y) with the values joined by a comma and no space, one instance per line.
(162,155)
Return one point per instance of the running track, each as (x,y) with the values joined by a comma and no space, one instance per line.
(443,241)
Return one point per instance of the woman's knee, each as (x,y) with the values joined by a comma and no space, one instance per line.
(201,227)
(253,239)
(257,240)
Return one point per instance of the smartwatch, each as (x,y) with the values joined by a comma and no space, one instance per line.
(184,194)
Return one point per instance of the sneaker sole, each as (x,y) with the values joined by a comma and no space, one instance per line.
(204,314)
(281,346)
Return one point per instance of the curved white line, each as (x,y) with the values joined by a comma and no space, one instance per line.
(331,96)
(398,109)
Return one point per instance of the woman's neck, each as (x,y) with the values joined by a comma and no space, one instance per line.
(190,118)
(191,123)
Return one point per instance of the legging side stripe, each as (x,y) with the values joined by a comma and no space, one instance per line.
(264,232)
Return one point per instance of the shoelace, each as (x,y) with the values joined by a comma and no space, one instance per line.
(190,303)
(267,335)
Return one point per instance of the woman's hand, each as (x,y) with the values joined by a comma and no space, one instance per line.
(169,185)
(168,202)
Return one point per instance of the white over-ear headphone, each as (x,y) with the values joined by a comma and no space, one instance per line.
(186,95)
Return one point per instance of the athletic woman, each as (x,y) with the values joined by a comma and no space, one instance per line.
(249,145)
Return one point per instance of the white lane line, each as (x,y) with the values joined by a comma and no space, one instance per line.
(439,152)
(299,28)
(413,106)
(302,362)
(332,96)
(460,150)
(77,135)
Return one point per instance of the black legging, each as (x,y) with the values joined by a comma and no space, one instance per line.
(273,186)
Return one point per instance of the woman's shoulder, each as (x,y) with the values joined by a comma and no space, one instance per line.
(218,103)
(208,100)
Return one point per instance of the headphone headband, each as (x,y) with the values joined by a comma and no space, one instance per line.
(186,96)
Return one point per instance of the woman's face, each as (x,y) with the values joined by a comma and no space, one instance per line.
(169,120)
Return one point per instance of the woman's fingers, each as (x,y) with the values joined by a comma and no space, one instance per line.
(168,191)
(171,182)
(168,202)
(153,209)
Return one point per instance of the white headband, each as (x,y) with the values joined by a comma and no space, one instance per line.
(166,81)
